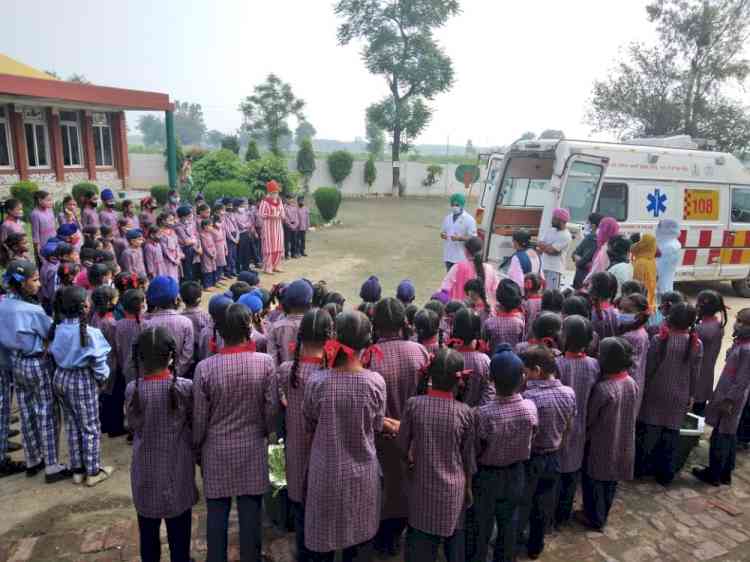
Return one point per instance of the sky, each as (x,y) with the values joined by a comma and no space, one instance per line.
(525,65)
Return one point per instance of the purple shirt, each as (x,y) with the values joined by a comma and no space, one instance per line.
(531,306)
(235,402)
(711,333)
(733,385)
(162,472)
(153,258)
(283,333)
(291,217)
(200,320)
(208,257)
(170,248)
(505,428)
(504,328)
(42,226)
(304,219)
(611,429)
(182,330)
(9,227)
(109,217)
(90,217)
(231,229)
(125,333)
(639,341)
(438,433)
(604,322)
(478,389)
(48,280)
(556,406)
(131,260)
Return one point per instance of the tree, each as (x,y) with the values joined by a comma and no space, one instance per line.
(152,129)
(268,110)
(78,78)
(306,162)
(371,172)
(528,135)
(340,165)
(213,138)
(470,150)
(400,46)
(189,125)
(252,152)
(552,134)
(303,132)
(375,139)
(231,142)
(679,86)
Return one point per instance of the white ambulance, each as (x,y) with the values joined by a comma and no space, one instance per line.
(708,193)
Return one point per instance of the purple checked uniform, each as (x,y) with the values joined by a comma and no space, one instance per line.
(48,281)
(304,219)
(42,226)
(556,406)
(673,383)
(170,248)
(531,307)
(505,428)
(711,333)
(231,228)
(283,333)
(106,324)
(162,472)
(220,243)
(89,217)
(733,385)
(9,227)
(119,244)
(298,439)
(235,402)
(200,319)
(344,411)
(478,389)
(438,432)
(604,321)
(580,374)
(131,260)
(187,236)
(640,341)
(208,257)
(611,429)
(126,331)
(504,328)
(146,219)
(291,219)
(182,330)
(109,217)
(153,258)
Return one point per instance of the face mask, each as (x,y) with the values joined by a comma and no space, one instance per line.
(587,230)
(174,199)
(456,210)
(626,317)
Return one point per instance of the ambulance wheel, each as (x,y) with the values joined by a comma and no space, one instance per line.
(742,287)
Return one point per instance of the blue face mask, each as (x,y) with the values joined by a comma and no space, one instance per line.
(626,318)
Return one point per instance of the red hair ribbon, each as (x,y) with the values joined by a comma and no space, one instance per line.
(694,340)
(370,352)
(212,347)
(292,347)
(483,346)
(548,341)
(450,342)
(424,369)
(465,374)
(332,348)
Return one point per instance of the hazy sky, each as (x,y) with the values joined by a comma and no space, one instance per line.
(520,65)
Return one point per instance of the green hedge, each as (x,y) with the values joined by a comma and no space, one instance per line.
(226,188)
(24,192)
(328,201)
(219,165)
(84,189)
(259,172)
(160,193)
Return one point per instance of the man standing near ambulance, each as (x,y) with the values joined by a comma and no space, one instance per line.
(457,228)
(553,246)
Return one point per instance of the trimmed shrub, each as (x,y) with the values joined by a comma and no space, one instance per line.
(328,201)
(160,193)
(84,189)
(219,165)
(24,192)
(434,171)
(259,172)
(252,152)
(371,172)
(340,165)
(227,188)
(306,162)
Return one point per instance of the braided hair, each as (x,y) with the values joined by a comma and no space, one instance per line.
(354,330)
(316,328)
(70,302)
(477,286)
(427,324)
(467,326)
(132,303)
(709,302)
(682,316)
(155,349)
(389,318)
(103,299)
(442,372)
(236,324)
(577,333)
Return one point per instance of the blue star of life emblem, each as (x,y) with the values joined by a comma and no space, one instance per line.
(657,202)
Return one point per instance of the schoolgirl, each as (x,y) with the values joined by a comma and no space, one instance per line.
(297,300)
(710,330)
(127,330)
(220,242)
(187,237)
(162,472)
(191,293)
(436,436)
(603,315)
(476,299)
(524,260)
(11,216)
(632,320)
(148,212)
(476,388)
(532,303)
(131,258)
(15,247)
(42,220)
(208,254)
(507,326)
(128,214)
(232,232)
(89,214)
(170,245)
(427,326)
(545,332)
(210,342)
(659,320)
(163,300)
(235,403)
(153,255)
(81,354)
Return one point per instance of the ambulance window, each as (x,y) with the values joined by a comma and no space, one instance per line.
(741,205)
(613,201)
(580,190)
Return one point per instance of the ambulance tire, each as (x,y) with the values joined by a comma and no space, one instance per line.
(742,287)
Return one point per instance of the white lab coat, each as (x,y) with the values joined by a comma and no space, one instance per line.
(464,225)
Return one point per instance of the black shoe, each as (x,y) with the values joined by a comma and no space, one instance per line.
(304,255)
(13,433)
(704,475)
(726,480)
(118,433)
(13,447)
(9,467)
(34,470)
(58,476)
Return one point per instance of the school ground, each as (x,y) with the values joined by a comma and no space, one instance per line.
(394,240)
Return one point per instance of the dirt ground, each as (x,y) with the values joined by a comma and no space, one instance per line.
(393,240)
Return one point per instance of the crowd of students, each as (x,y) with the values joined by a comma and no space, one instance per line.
(435,423)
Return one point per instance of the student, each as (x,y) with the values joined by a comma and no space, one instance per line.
(507,325)
(128,214)
(610,428)
(553,245)
(427,326)
(190,293)
(608,227)
(371,291)
(618,251)
(710,330)
(153,256)
(89,214)
(644,265)
(67,273)
(672,370)
(127,329)
(231,230)
(525,260)
(208,256)
(170,245)
(410,312)
(552,300)
(436,513)
(471,267)
(291,223)
(173,201)
(505,428)
(579,372)
(131,258)
(297,300)
(108,216)
(8,466)
(603,288)
(532,303)
(406,292)
(293,377)
(344,410)
(220,243)
(148,212)
(304,225)
(163,300)
(159,409)
(42,222)
(659,321)
(254,303)
(210,342)
(545,332)
(476,388)
(632,320)
(725,409)
(69,212)
(16,247)
(556,406)
(107,239)
(584,252)
(187,237)
(399,364)
(242,220)
(24,328)
(234,401)
(51,254)
(11,212)
(80,353)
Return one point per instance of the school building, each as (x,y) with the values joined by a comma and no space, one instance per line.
(59,133)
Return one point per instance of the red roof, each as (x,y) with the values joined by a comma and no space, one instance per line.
(58,90)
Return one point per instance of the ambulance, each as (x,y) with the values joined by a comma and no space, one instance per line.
(708,193)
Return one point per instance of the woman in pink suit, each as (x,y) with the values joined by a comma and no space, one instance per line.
(272,212)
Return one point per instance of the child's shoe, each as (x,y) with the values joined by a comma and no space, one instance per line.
(104,473)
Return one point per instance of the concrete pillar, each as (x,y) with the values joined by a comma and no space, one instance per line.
(171,150)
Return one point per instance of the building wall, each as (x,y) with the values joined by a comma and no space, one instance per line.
(147,170)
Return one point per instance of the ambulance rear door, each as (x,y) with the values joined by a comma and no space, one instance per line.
(579,186)
(735,255)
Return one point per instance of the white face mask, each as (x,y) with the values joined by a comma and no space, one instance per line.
(456,210)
